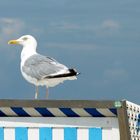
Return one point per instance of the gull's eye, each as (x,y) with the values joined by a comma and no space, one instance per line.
(25,38)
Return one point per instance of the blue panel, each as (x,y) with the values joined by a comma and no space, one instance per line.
(1,133)
(114,111)
(20,112)
(94,112)
(2,114)
(21,133)
(44,112)
(45,133)
(95,134)
(70,133)
(68,112)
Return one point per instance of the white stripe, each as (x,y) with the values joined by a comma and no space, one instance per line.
(58,134)
(8,111)
(56,112)
(33,134)
(32,112)
(82,134)
(116,134)
(81,112)
(9,133)
(107,134)
(106,112)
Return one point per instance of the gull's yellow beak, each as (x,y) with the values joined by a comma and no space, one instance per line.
(13,42)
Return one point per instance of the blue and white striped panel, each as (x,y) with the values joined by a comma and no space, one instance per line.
(48,133)
(57,112)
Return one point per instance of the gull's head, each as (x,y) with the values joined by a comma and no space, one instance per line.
(26,40)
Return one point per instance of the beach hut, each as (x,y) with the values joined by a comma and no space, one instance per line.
(69,120)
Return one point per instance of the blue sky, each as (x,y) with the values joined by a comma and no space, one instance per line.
(101,39)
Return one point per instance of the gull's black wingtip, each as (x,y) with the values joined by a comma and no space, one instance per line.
(74,72)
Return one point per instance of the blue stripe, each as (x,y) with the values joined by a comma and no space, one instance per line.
(93,112)
(20,112)
(1,133)
(114,111)
(21,133)
(95,134)
(2,114)
(70,133)
(68,112)
(44,112)
(45,133)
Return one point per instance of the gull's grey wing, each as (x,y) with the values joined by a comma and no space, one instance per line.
(39,67)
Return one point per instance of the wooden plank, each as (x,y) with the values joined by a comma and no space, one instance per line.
(123,122)
(57,103)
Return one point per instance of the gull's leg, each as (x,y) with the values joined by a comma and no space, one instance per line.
(36,92)
(47,92)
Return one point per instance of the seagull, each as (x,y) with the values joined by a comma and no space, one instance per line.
(41,70)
